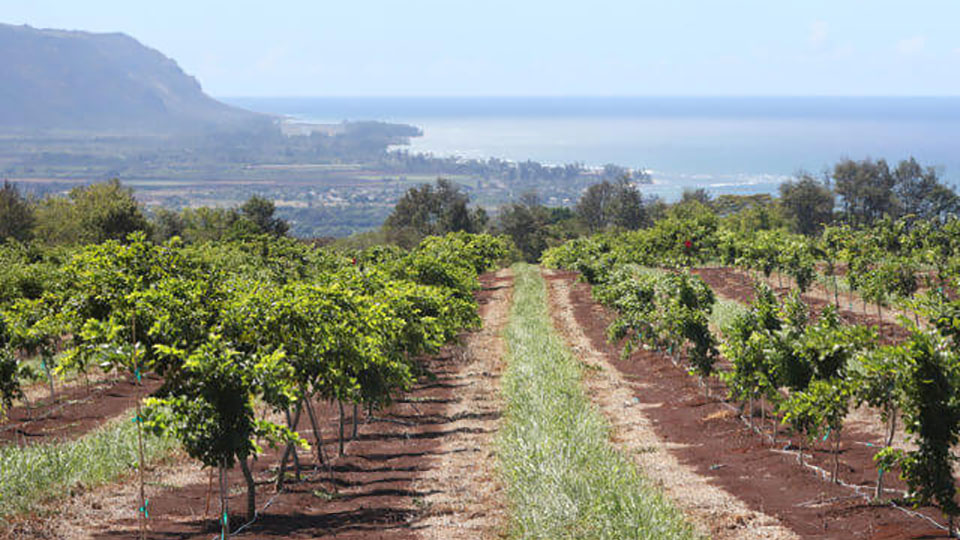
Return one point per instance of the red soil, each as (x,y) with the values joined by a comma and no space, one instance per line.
(714,441)
(736,285)
(372,493)
(76,410)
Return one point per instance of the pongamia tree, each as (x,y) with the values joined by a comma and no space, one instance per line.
(930,405)
(9,370)
(807,203)
(432,209)
(608,204)
(209,408)
(142,307)
(880,377)
(16,214)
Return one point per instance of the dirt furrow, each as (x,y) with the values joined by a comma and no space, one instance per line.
(466,499)
(706,444)
(734,284)
(77,410)
(714,511)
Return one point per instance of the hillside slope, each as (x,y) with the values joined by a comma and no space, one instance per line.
(54,79)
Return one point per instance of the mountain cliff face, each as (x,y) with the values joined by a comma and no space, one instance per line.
(53,79)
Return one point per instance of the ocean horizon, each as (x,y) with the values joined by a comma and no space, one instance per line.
(726,145)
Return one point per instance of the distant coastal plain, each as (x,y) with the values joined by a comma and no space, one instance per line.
(728,145)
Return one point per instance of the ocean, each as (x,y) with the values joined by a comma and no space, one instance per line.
(727,145)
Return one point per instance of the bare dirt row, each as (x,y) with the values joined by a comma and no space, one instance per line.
(715,512)
(716,468)
(735,284)
(77,409)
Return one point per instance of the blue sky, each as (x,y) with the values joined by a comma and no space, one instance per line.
(534,47)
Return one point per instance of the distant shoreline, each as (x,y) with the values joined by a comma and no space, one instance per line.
(395,108)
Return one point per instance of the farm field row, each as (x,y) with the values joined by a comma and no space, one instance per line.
(708,436)
(555,410)
(419,468)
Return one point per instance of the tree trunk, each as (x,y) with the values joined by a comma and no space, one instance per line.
(142,513)
(316,431)
(342,421)
(46,371)
(836,458)
(29,407)
(292,423)
(836,292)
(206,507)
(356,413)
(251,490)
(878,493)
(893,427)
(224,503)
(879,321)
(143,499)
(296,465)
(763,416)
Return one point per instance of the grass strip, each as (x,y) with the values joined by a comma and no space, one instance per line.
(564,477)
(34,474)
(724,312)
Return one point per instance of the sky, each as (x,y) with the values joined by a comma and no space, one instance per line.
(536,47)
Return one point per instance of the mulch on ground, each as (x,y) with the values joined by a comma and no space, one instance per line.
(716,442)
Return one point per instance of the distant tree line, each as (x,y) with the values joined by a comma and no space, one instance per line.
(108,211)
(442,207)
(856,192)
(402,161)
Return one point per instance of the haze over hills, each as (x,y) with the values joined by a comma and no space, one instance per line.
(57,79)
(79,107)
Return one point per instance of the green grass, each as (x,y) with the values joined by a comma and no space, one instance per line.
(37,473)
(564,478)
(827,283)
(724,312)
